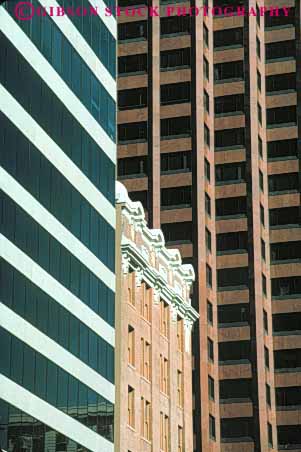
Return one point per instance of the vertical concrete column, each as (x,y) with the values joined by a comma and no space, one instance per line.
(154,117)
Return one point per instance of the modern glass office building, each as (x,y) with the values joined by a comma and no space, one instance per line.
(57,140)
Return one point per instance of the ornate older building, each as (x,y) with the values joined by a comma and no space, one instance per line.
(154,318)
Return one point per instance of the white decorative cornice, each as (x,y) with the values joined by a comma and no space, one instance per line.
(137,258)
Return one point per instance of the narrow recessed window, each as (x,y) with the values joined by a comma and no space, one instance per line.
(261,181)
(210,350)
(265,322)
(263,255)
(208,240)
(270,435)
(212,433)
(258,51)
(208,276)
(211,387)
(268,394)
(264,285)
(209,312)
(259,80)
(266,357)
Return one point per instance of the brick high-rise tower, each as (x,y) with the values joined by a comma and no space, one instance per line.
(209,119)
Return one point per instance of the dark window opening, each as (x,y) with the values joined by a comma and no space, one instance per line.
(132,98)
(229,104)
(177,58)
(229,138)
(132,167)
(228,37)
(176,162)
(231,206)
(283,182)
(282,149)
(132,131)
(283,50)
(281,82)
(232,70)
(132,64)
(132,30)
(232,242)
(211,387)
(289,286)
(175,25)
(234,351)
(287,359)
(139,196)
(281,115)
(286,322)
(285,251)
(230,172)
(175,93)
(285,216)
(208,240)
(208,276)
(239,389)
(210,349)
(233,313)
(209,312)
(176,197)
(281,19)
(208,204)
(232,277)
(289,436)
(288,396)
(212,432)
(176,127)
(177,232)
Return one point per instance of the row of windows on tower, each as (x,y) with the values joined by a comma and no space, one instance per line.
(179,127)
(183,25)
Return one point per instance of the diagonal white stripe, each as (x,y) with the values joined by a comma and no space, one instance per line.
(30,205)
(25,401)
(27,333)
(31,270)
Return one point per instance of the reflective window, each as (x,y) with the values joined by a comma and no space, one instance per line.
(59,52)
(48,375)
(33,240)
(42,180)
(55,119)
(47,315)
(21,432)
